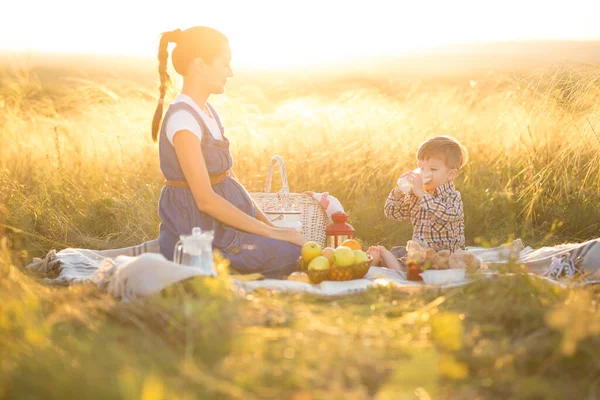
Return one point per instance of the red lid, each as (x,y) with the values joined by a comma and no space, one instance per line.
(339,226)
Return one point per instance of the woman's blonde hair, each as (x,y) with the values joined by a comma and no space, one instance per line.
(198,41)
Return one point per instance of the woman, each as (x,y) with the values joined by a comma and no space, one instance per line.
(201,188)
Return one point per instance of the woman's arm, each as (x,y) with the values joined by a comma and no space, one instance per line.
(189,154)
(260,215)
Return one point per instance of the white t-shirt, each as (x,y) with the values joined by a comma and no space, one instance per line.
(183,120)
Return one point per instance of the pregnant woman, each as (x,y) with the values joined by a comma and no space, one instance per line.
(201,188)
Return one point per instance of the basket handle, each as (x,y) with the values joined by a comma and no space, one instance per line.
(283,194)
(277,159)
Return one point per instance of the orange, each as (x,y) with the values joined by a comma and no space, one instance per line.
(352,243)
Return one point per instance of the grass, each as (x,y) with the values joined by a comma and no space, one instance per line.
(78,168)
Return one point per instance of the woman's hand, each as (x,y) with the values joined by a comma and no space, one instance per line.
(260,215)
(289,235)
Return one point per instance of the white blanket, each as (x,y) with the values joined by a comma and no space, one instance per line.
(137,271)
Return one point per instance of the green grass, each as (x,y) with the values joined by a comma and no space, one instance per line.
(78,168)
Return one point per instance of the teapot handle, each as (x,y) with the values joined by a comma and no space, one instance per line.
(177,252)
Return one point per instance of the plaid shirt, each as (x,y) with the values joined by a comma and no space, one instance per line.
(437,219)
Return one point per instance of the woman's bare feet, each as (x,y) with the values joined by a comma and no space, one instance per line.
(374,252)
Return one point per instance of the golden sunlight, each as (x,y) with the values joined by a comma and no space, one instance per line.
(268,33)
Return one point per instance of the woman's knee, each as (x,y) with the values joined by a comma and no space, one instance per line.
(270,257)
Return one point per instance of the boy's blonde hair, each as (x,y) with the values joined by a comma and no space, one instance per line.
(446,148)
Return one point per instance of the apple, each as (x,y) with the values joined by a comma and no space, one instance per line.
(328,253)
(310,250)
(299,277)
(343,256)
(360,257)
(318,263)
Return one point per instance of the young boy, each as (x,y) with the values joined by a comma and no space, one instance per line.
(435,208)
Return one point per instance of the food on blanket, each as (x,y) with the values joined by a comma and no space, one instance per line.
(431,255)
(464,259)
(343,257)
(319,263)
(473,262)
(418,259)
(431,258)
(442,260)
(360,257)
(436,260)
(299,277)
(310,250)
(422,259)
(413,272)
(328,253)
(352,243)
(416,250)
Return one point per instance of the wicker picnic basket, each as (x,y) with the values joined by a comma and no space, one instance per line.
(313,217)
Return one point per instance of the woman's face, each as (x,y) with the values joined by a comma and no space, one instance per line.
(217,71)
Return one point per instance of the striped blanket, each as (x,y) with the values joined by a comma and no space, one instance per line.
(131,272)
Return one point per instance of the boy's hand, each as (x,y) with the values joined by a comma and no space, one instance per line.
(398,194)
(416,181)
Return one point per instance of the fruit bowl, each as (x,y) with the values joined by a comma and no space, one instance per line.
(315,276)
(355,271)
(341,273)
(301,266)
(361,269)
(318,276)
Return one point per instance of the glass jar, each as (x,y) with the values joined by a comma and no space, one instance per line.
(195,250)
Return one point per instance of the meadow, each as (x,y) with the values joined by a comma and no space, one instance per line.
(78,169)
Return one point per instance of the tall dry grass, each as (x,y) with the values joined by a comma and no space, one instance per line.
(79,168)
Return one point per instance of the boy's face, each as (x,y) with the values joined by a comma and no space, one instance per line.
(439,171)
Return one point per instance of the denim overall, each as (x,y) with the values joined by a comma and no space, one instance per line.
(178,212)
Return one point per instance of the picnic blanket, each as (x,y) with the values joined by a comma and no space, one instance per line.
(137,271)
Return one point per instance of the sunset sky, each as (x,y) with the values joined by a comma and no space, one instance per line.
(270,33)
